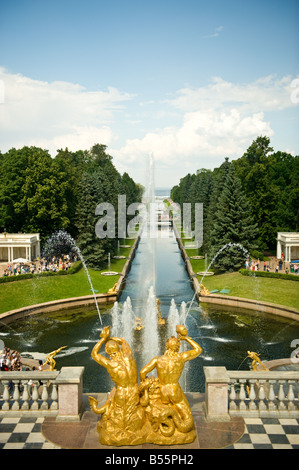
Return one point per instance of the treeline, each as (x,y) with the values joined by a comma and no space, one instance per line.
(42,194)
(245,201)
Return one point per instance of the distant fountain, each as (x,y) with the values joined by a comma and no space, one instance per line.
(150,322)
(173,319)
(116,322)
(227,245)
(127,320)
(60,243)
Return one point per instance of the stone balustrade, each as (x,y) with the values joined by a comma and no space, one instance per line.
(227,393)
(251,393)
(42,393)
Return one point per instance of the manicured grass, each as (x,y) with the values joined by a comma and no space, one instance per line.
(277,291)
(19,294)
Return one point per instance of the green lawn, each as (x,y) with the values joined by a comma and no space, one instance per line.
(277,291)
(44,289)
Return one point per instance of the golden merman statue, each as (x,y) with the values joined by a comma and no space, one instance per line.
(161,321)
(203,290)
(138,324)
(155,412)
(49,358)
(255,359)
(113,289)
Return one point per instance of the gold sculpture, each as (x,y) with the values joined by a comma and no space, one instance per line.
(113,290)
(204,290)
(255,359)
(155,412)
(49,358)
(123,417)
(138,324)
(161,321)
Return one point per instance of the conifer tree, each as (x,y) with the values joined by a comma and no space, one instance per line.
(233,226)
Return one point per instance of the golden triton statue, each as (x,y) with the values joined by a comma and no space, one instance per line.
(161,321)
(255,359)
(49,358)
(123,416)
(138,324)
(155,412)
(204,290)
(169,410)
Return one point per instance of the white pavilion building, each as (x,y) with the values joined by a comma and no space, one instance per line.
(15,246)
(288,244)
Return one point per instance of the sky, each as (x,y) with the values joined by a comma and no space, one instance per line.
(189,82)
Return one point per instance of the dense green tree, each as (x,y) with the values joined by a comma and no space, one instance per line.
(13,165)
(42,206)
(73,164)
(219,177)
(101,183)
(269,183)
(233,226)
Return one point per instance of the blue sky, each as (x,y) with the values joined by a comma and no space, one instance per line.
(191,81)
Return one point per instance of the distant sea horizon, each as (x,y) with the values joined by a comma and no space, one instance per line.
(165,192)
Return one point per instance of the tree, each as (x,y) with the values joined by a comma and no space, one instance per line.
(233,226)
(42,207)
(268,181)
(100,183)
(13,165)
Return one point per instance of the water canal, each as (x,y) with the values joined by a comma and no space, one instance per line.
(224,334)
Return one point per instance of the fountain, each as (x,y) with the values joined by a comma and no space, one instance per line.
(62,241)
(140,298)
(207,272)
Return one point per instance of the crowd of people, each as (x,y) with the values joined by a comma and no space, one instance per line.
(10,360)
(55,264)
(273,265)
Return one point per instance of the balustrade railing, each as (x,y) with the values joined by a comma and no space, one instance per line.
(264,393)
(251,393)
(46,393)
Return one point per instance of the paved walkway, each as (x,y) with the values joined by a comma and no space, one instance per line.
(239,433)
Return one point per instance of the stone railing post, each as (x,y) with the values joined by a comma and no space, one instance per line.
(216,405)
(70,384)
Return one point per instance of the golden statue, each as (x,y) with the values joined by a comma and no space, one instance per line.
(49,358)
(204,290)
(155,412)
(161,321)
(138,324)
(169,410)
(123,416)
(255,359)
(113,290)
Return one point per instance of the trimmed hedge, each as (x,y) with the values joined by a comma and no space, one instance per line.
(288,277)
(21,277)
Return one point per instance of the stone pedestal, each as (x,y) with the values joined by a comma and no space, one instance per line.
(70,382)
(216,405)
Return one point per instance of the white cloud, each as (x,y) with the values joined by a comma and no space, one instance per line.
(203,133)
(217,120)
(265,94)
(207,123)
(215,34)
(56,114)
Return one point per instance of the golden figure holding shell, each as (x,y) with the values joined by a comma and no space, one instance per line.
(156,411)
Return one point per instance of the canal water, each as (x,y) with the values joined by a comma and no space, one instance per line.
(225,334)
